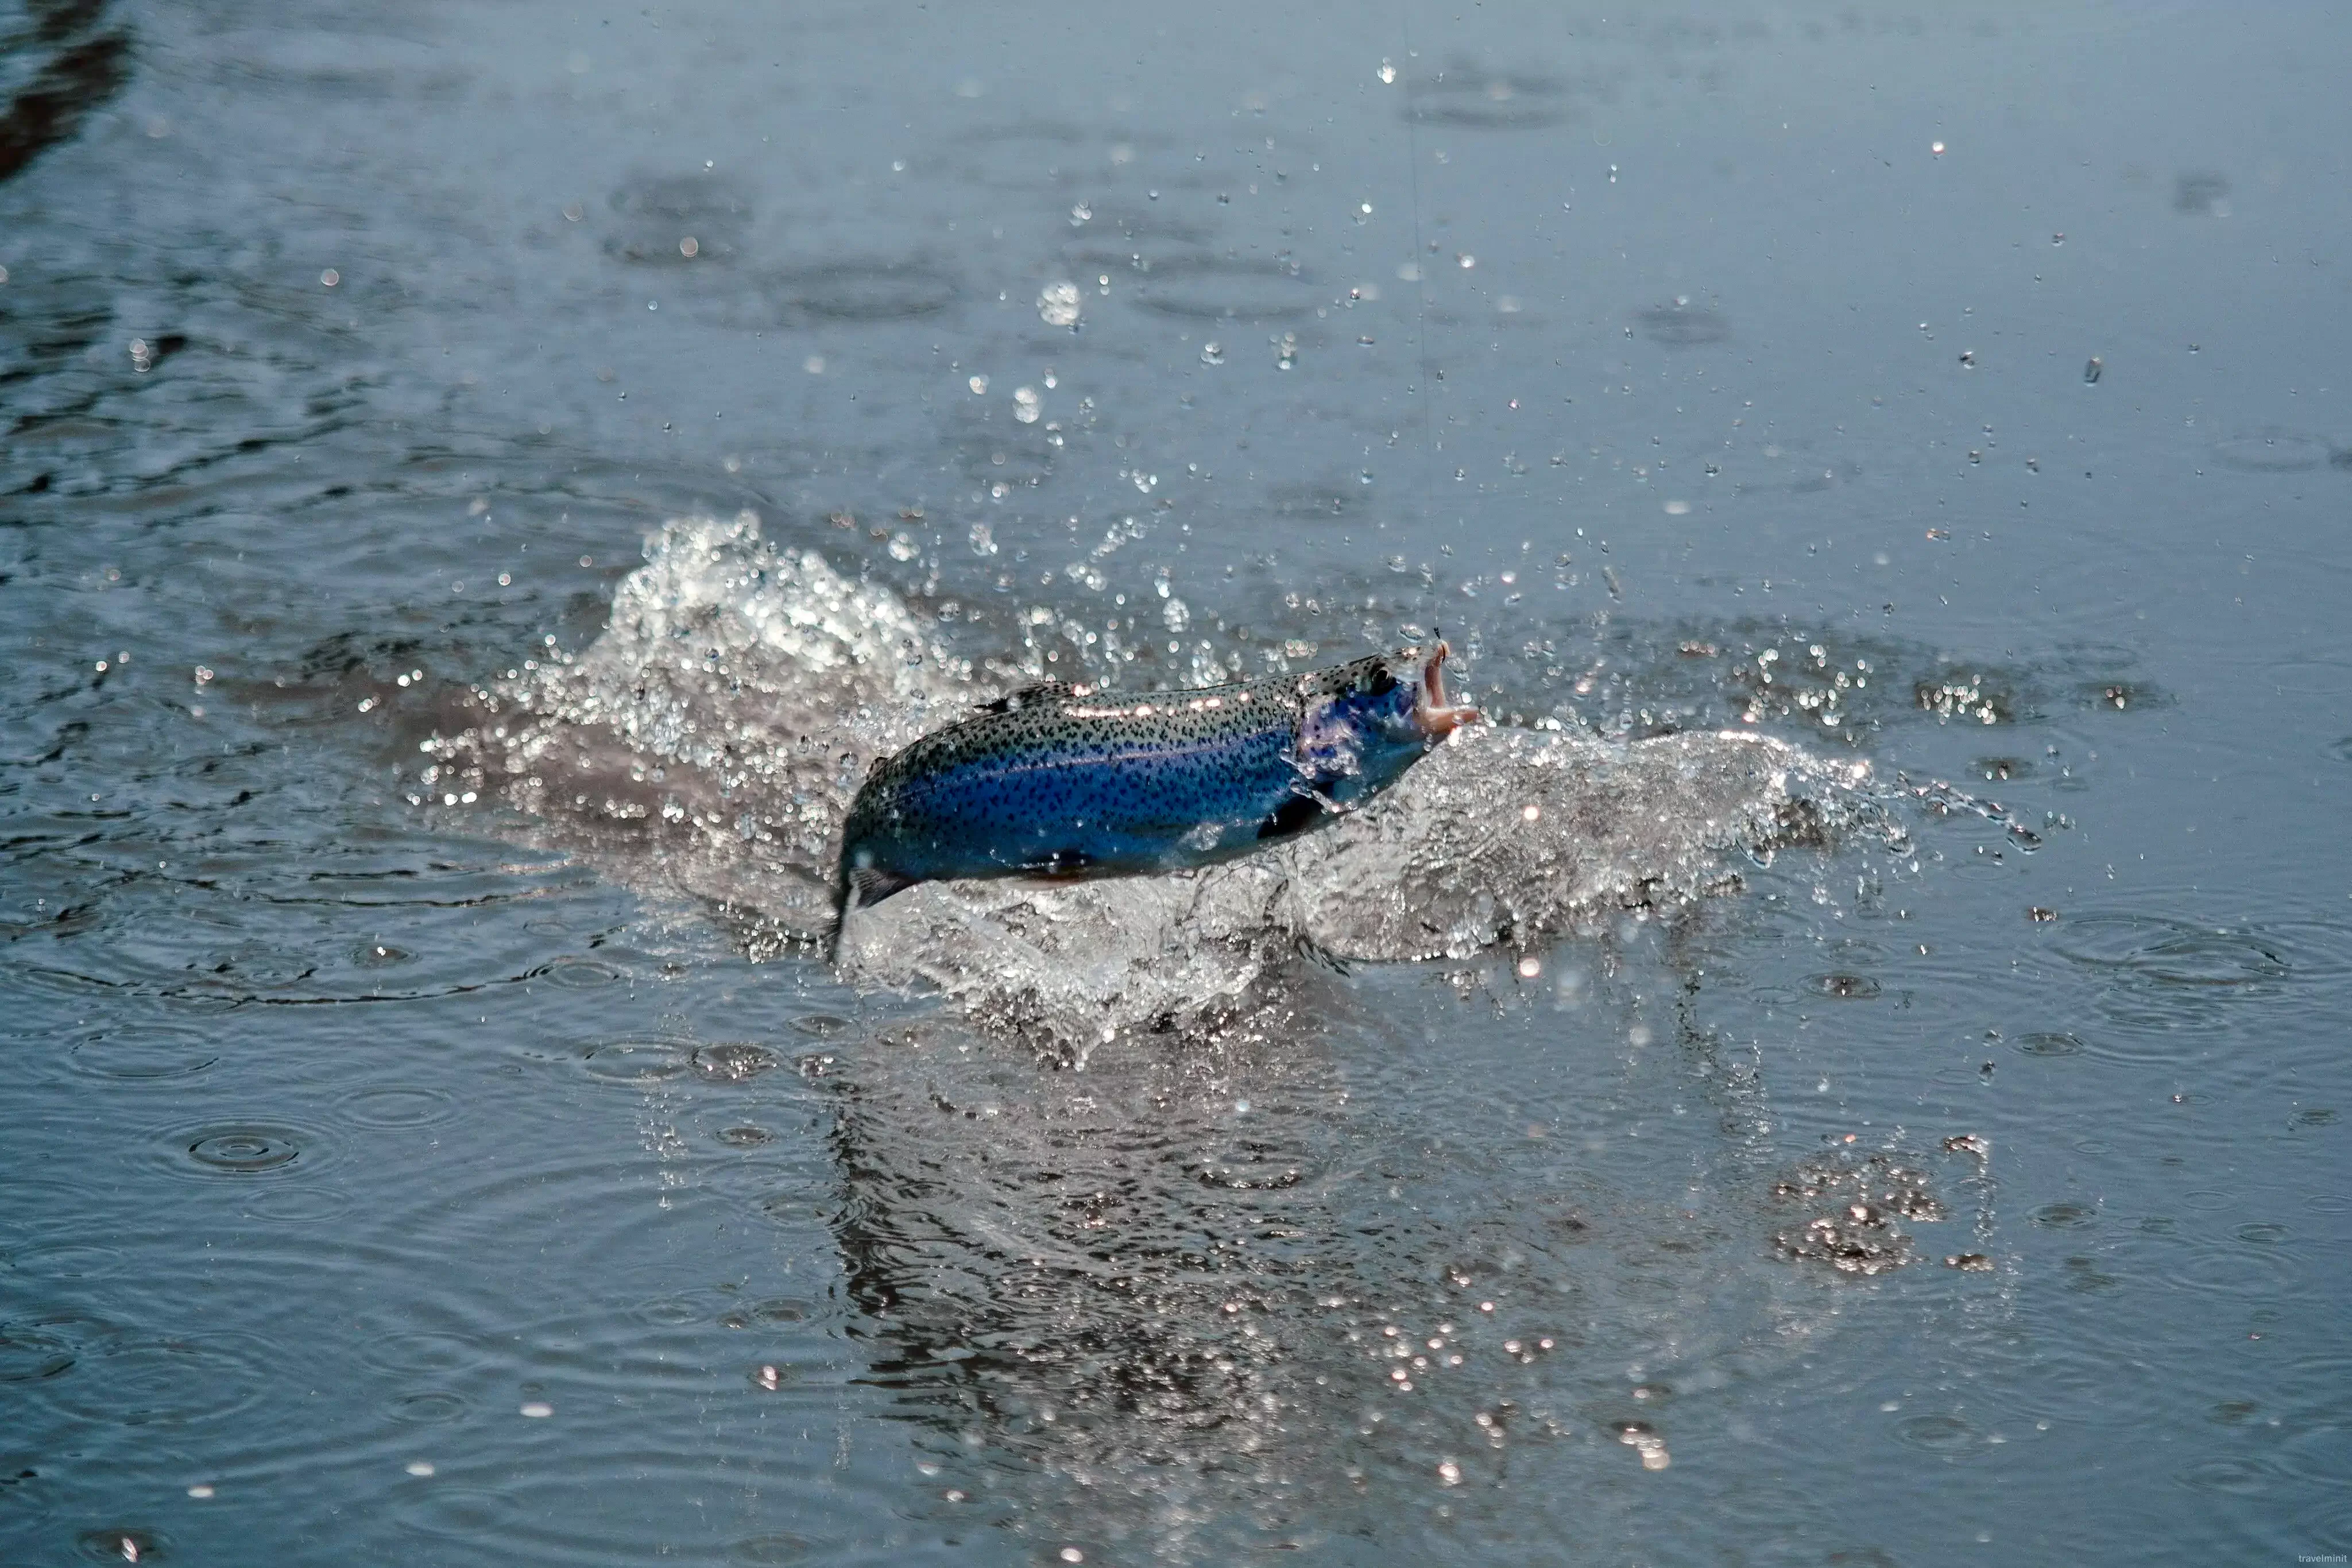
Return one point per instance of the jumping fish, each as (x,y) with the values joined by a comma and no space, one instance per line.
(1058,780)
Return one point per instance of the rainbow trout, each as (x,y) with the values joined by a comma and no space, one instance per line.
(1058,781)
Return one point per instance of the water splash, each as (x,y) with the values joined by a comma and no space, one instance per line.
(710,739)
(1501,838)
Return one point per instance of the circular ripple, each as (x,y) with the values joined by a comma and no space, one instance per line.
(1679,327)
(1851,987)
(694,198)
(1937,1434)
(2321,1453)
(398,1107)
(2076,1378)
(733,1063)
(2312,677)
(142,1053)
(539,1505)
(638,1062)
(152,1383)
(2324,1374)
(2148,1035)
(628,1358)
(857,291)
(420,1352)
(671,1312)
(2318,949)
(29,1354)
(297,1205)
(2241,1477)
(2234,1271)
(824,1025)
(761,1549)
(744,1137)
(560,925)
(63,1261)
(581,974)
(2173,952)
(2066,1216)
(784,1309)
(428,1409)
(460,1513)
(788,1209)
(117,1545)
(381,956)
(2271,450)
(2049,1044)
(657,212)
(2329,1518)
(246,1149)
(1225,289)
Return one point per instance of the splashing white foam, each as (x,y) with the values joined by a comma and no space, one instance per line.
(1450,861)
(710,740)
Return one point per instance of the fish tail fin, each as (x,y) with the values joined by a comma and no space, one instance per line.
(840,920)
(866,885)
(857,887)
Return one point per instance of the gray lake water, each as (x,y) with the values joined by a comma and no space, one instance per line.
(1850,1068)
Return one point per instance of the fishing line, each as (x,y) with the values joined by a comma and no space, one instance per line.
(1419,281)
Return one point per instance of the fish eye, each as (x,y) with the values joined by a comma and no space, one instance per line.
(1382,684)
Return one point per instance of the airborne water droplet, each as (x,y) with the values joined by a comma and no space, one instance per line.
(1059,304)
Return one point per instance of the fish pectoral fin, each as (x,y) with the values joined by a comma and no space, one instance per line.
(870,886)
(1029,696)
(1296,815)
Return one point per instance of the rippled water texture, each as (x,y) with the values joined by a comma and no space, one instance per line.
(1849,1067)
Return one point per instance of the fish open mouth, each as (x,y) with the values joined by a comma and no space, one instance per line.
(1438,718)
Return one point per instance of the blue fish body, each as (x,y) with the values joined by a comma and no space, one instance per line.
(1058,781)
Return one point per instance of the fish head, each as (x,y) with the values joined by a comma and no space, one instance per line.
(1397,698)
(1369,721)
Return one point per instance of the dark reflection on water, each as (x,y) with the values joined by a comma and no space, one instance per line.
(1218,1264)
(77,62)
(387,1166)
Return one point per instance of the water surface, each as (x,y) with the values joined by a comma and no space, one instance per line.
(407,1161)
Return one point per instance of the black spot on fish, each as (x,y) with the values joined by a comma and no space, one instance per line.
(1294,815)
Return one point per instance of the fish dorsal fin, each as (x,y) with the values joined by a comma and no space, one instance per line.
(1031,696)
